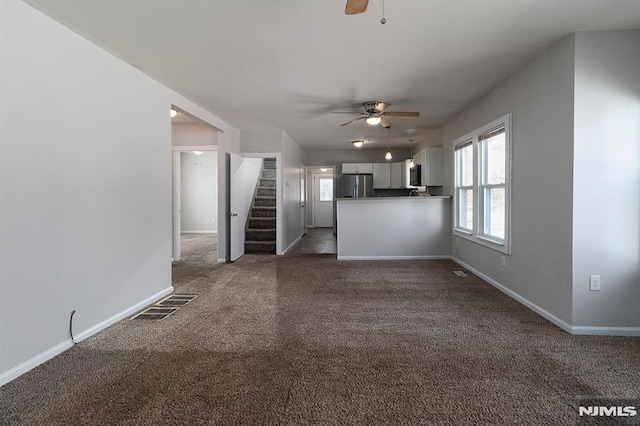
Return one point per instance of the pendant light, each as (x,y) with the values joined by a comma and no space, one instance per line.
(411,163)
(388,155)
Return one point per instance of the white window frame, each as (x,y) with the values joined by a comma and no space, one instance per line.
(479,205)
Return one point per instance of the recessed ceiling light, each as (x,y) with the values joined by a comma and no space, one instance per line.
(324,169)
(173,113)
(358,144)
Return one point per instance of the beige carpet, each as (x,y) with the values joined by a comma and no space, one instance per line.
(309,340)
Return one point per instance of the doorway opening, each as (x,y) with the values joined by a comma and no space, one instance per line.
(320,212)
(195,191)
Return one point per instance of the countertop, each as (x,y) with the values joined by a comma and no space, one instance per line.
(391,199)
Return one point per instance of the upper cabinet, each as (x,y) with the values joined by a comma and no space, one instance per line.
(357,168)
(431,161)
(397,170)
(381,175)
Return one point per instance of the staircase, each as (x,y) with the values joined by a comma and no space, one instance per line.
(260,235)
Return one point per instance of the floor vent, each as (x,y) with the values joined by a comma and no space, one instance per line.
(176,300)
(155,313)
(165,307)
(460,273)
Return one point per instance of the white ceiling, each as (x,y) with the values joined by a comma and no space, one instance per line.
(286,64)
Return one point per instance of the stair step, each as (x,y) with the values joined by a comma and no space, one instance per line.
(264,202)
(268,174)
(267,183)
(269,164)
(260,235)
(263,211)
(262,223)
(260,247)
(266,192)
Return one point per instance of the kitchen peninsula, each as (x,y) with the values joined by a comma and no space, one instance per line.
(394,228)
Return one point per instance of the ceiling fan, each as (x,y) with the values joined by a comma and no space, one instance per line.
(356,6)
(375,114)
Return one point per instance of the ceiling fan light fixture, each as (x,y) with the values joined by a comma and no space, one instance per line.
(358,144)
(173,113)
(373,120)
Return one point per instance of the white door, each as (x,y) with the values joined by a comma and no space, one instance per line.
(303,201)
(323,200)
(236,207)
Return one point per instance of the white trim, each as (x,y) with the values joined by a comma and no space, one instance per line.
(430,257)
(225,260)
(292,244)
(606,331)
(279,194)
(176,201)
(195,148)
(42,357)
(20,369)
(537,309)
(578,330)
(123,314)
(198,232)
(476,235)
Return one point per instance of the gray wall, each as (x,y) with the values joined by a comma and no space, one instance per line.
(334,157)
(199,192)
(540,98)
(193,134)
(84,191)
(606,203)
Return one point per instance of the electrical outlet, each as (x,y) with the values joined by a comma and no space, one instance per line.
(504,261)
(594,282)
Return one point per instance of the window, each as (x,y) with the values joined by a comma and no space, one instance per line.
(482,185)
(326,189)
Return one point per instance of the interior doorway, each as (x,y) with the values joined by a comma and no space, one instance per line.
(195,191)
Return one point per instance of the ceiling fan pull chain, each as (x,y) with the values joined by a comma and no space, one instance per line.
(383,20)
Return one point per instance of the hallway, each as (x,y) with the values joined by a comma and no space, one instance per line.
(316,241)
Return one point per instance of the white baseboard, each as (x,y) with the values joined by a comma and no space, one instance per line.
(224,260)
(42,357)
(29,364)
(291,245)
(434,257)
(198,232)
(605,331)
(544,313)
(122,315)
(580,330)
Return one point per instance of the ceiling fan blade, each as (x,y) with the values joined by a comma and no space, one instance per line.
(381,106)
(402,114)
(385,123)
(356,6)
(347,112)
(355,119)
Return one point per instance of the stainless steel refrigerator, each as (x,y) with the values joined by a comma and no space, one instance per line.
(357,186)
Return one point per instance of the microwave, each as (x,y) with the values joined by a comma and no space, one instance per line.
(414,176)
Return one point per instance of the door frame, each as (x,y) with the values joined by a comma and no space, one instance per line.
(177,183)
(279,215)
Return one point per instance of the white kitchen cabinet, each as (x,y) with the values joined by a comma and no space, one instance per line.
(430,160)
(381,175)
(397,170)
(350,168)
